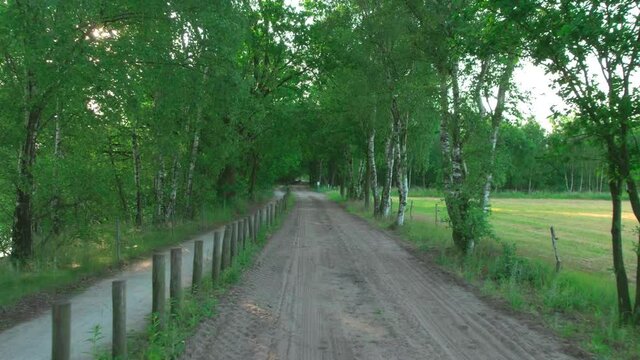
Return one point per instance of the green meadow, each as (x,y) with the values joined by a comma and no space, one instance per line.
(582,227)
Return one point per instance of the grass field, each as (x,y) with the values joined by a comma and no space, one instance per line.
(582,227)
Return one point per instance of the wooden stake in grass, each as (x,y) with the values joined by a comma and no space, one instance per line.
(61,331)
(198,259)
(554,240)
(226,247)
(119,340)
(216,265)
(175,286)
(158,289)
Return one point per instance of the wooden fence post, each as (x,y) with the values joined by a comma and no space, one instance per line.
(243,235)
(158,289)
(254,220)
(554,240)
(226,247)
(234,241)
(271,215)
(61,331)
(119,339)
(246,233)
(198,259)
(268,215)
(252,228)
(256,224)
(175,286)
(265,215)
(217,257)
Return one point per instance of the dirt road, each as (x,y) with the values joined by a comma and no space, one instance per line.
(330,286)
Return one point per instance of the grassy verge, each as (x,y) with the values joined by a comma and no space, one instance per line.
(169,344)
(577,304)
(92,253)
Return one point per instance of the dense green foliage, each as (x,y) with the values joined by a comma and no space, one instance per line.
(148,113)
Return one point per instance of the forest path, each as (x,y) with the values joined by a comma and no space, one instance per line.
(31,340)
(330,286)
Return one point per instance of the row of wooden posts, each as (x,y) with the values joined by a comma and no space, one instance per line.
(227,246)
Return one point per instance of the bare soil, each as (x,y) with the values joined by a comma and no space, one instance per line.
(330,286)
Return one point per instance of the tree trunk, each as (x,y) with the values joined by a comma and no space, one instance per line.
(581,179)
(361,180)
(385,200)
(159,190)
(636,309)
(189,212)
(22,235)
(254,176)
(453,168)
(572,171)
(496,121)
(367,185)
(56,220)
(634,199)
(173,195)
(486,192)
(373,180)
(119,185)
(622,285)
(401,158)
(137,168)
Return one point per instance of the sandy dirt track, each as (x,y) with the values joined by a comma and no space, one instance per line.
(330,286)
